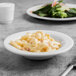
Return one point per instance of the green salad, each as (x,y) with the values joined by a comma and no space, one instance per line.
(56,9)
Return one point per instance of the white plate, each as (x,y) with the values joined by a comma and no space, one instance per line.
(47,18)
(66,43)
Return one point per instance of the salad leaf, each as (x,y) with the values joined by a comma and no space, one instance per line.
(42,14)
(71,12)
(58,6)
(60,1)
(44,9)
(61,14)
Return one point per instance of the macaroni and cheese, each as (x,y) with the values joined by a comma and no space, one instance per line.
(36,42)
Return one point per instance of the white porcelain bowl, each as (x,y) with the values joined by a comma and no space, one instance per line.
(66,43)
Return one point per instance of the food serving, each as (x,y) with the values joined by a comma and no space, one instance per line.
(56,9)
(36,42)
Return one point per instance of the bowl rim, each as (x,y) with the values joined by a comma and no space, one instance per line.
(25,53)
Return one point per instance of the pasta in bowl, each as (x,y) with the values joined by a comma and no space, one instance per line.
(62,43)
(36,42)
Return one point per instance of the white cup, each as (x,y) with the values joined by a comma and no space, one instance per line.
(7,12)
